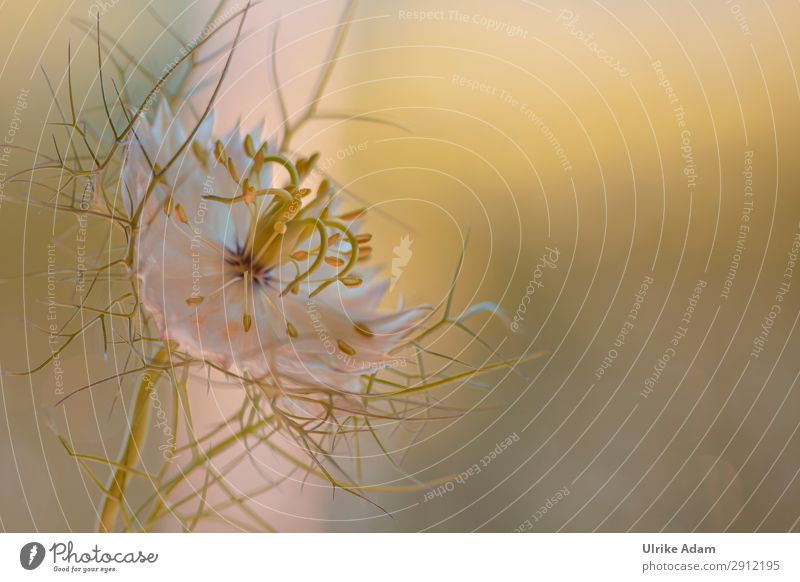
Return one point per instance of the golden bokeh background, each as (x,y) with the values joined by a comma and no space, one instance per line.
(650,141)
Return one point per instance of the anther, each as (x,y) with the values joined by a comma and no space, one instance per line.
(200,153)
(334,261)
(219,152)
(180,214)
(346,348)
(353,214)
(232,171)
(249,192)
(248,146)
(363,330)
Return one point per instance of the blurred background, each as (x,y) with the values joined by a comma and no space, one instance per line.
(624,176)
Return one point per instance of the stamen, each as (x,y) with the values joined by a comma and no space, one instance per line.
(290,329)
(351,259)
(222,287)
(249,192)
(200,153)
(345,347)
(363,330)
(258,162)
(232,171)
(323,237)
(195,300)
(219,153)
(195,235)
(247,320)
(364,253)
(353,214)
(334,261)
(248,146)
(180,214)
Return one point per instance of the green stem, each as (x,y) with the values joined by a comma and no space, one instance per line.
(131,447)
(157,511)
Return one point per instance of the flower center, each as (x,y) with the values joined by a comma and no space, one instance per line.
(243,265)
(285,231)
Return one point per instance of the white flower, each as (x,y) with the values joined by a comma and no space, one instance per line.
(247,270)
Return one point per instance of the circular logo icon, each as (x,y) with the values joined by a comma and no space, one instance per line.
(31,555)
